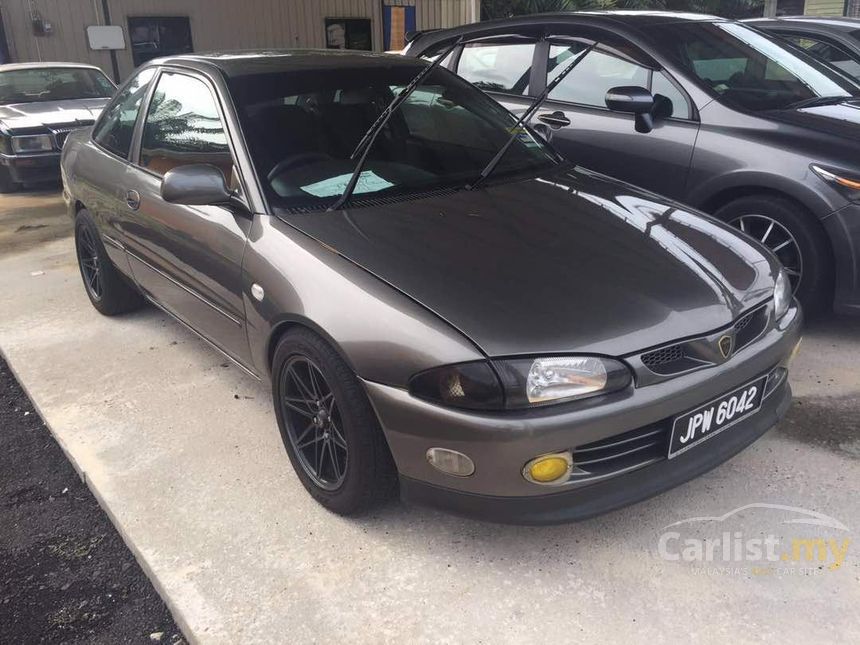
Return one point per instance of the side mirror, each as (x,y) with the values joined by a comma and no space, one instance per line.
(195,185)
(633,100)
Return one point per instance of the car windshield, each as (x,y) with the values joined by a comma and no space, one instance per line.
(749,69)
(53,84)
(302,126)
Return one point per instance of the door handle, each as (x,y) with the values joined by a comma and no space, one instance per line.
(555,119)
(132,199)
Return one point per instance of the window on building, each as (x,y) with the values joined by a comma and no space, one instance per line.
(498,67)
(183,127)
(152,37)
(599,72)
(116,126)
(348,33)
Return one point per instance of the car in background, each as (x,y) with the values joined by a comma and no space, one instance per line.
(436,296)
(833,40)
(40,104)
(710,112)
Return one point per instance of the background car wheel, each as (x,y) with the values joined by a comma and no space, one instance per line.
(795,237)
(328,426)
(106,287)
(6,183)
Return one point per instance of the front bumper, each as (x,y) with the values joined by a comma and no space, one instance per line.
(501,444)
(32,169)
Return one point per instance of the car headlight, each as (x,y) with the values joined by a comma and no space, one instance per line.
(781,294)
(848,184)
(32,143)
(519,383)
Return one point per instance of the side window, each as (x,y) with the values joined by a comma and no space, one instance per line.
(115,128)
(828,52)
(183,127)
(660,84)
(599,72)
(497,67)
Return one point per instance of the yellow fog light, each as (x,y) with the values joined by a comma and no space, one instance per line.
(549,469)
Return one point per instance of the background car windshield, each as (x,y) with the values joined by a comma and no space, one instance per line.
(749,69)
(53,84)
(301,128)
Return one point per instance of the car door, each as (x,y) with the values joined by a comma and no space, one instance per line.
(101,176)
(584,130)
(187,258)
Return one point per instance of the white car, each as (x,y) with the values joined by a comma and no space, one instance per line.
(40,103)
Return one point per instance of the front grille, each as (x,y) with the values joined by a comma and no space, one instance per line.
(61,133)
(700,352)
(621,453)
(664,355)
(749,327)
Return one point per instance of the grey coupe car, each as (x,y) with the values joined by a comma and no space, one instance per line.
(40,103)
(440,302)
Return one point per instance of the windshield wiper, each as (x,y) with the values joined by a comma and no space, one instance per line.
(515,130)
(367,141)
(817,100)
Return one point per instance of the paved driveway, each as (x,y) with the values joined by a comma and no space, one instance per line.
(182,450)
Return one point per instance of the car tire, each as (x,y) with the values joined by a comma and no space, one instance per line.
(107,289)
(306,367)
(814,286)
(6,183)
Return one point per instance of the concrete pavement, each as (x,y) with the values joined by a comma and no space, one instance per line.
(183,452)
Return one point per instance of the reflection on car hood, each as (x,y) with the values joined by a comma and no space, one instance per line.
(48,113)
(570,262)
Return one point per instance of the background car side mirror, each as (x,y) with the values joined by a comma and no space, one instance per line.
(633,100)
(195,185)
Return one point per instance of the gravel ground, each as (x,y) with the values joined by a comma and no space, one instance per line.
(65,574)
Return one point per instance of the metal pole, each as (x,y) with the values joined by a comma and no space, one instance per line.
(113,62)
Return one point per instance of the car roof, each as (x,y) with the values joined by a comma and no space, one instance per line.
(836,23)
(634,16)
(626,20)
(265,61)
(10,67)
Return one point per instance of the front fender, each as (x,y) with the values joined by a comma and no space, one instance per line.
(382,334)
(819,200)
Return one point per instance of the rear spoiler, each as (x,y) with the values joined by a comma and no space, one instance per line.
(409,36)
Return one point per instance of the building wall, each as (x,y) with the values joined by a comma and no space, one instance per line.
(215,24)
(824,8)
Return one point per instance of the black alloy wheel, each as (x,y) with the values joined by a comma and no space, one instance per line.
(314,425)
(88,258)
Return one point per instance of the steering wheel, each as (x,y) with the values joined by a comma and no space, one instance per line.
(298,159)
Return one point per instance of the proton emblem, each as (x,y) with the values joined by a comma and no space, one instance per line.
(726,344)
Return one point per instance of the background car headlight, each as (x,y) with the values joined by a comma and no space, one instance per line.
(520,382)
(32,143)
(781,294)
(847,183)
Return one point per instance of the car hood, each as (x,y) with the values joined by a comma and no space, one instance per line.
(838,119)
(50,113)
(568,262)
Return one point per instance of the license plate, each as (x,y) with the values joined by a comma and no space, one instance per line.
(706,421)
